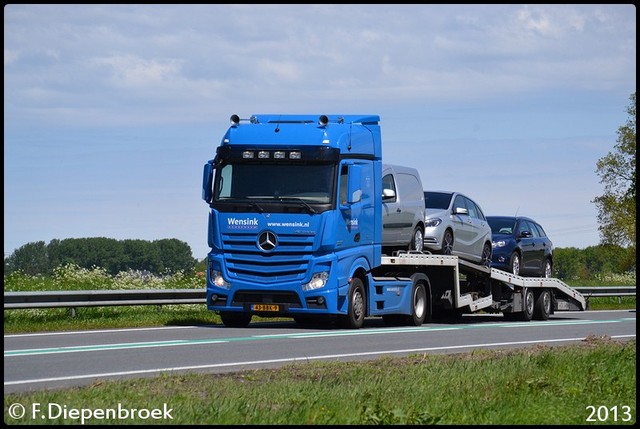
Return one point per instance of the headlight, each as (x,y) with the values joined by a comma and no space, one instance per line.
(500,243)
(317,281)
(219,281)
(430,223)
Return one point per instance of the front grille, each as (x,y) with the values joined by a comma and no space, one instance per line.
(287,262)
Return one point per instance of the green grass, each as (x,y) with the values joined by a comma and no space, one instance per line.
(541,385)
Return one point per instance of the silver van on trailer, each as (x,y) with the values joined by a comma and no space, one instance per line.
(403,209)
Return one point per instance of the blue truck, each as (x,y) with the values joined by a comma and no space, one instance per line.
(295,230)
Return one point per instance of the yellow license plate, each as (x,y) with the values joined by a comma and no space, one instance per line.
(266,307)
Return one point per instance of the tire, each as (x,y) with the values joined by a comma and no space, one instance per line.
(529,305)
(356,308)
(235,319)
(547,268)
(486,255)
(514,263)
(417,240)
(542,308)
(447,243)
(420,304)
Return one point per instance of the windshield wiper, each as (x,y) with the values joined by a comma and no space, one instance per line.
(299,200)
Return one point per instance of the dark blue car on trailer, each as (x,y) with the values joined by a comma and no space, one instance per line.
(520,246)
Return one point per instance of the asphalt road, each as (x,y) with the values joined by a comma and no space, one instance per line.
(39,361)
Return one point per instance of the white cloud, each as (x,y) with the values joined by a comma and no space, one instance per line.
(138,72)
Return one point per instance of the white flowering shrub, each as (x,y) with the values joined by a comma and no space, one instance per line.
(20,282)
(614,279)
(73,277)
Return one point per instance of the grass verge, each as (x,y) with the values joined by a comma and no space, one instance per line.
(590,383)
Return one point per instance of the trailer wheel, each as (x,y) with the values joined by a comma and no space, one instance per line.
(235,319)
(356,307)
(528,303)
(542,309)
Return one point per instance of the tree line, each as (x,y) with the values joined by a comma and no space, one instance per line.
(166,256)
(571,263)
(171,255)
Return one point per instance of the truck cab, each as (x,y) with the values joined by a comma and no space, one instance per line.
(295,213)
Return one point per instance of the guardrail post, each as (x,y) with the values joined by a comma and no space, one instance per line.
(73,311)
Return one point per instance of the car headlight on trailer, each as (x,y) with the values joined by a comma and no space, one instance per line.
(318,280)
(500,243)
(431,223)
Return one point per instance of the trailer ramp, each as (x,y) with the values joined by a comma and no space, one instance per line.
(561,290)
(568,299)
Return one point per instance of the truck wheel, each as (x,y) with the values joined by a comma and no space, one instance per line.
(542,309)
(419,304)
(528,303)
(235,319)
(417,241)
(356,308)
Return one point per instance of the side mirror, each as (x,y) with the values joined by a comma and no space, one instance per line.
(207,182)
(352,187)
(460,211)
(525,234)
(388,194)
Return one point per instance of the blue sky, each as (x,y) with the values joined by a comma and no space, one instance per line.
(111,111)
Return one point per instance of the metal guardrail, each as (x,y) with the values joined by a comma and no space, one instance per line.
(599,291)
(102,298)
(159,297)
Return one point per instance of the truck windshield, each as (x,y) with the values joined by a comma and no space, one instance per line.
(281,182)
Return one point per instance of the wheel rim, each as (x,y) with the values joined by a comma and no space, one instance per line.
(419,300)
(486,256)
(546,302)
(529,301)
(418,240)
(447,243)
(547,269)
(515,265)
(358,305)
